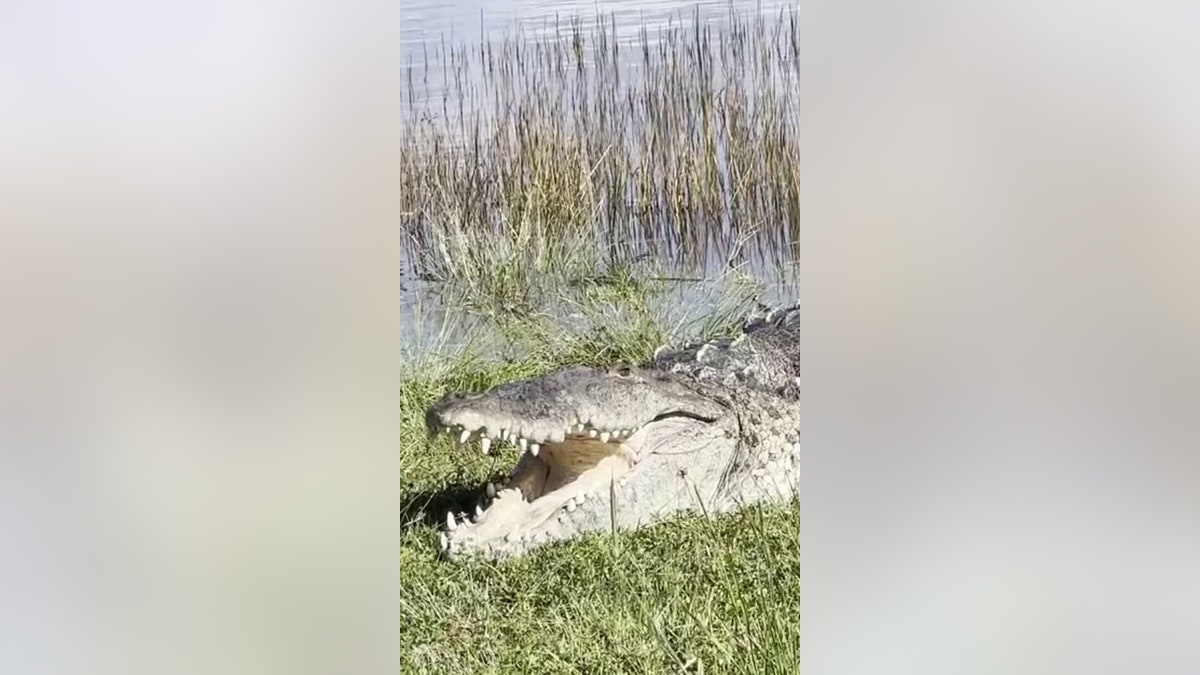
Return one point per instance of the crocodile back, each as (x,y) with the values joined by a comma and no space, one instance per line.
(765,356)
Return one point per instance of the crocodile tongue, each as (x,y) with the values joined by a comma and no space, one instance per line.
(561,463)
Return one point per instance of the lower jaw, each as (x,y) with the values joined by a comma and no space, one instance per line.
(510,515)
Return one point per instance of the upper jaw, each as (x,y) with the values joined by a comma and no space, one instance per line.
(492,421)
(525,434)
(575,400)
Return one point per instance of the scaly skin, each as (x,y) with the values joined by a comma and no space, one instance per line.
(711,427)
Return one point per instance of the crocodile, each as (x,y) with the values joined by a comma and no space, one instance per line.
(712,427)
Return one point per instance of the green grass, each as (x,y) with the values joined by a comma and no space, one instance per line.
(693,594)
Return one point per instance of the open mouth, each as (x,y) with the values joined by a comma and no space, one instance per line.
(556,472)
(583,433)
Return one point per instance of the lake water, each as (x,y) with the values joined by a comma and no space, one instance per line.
(427,25)
(424,22)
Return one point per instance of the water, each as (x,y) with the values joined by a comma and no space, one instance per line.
(428,25)
(425,22)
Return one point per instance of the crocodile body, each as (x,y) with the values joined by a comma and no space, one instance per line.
(713,426)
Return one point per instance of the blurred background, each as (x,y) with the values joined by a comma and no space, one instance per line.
(198,405)
(1000,330)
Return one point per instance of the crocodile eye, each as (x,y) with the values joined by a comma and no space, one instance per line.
(623,370)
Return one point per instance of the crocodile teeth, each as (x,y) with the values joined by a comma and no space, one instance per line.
(466,435)
(451,523)
(558,436)
(486,444)
(570,504)
(522,443)
(445,541)
(491,490)
(507,493)
(604,436)
(534,448)
(592,433)
(478,511)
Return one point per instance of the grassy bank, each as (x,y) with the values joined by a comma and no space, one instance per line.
(697,594)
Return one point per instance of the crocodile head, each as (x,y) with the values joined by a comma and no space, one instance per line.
(584,433)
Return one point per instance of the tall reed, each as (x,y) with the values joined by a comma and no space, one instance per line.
(562,155)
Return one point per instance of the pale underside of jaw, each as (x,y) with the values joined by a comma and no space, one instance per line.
(556,473)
